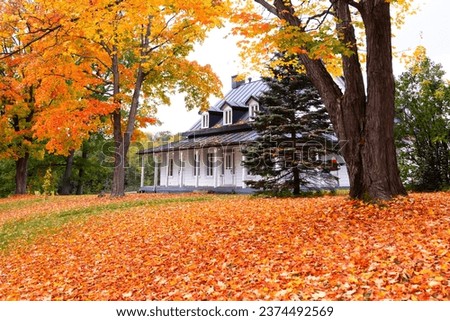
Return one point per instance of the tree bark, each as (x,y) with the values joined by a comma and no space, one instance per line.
(21,174)
(66,188)
(381,179)
(118,182)
(84,155)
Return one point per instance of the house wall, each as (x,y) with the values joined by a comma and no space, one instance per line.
(342,175)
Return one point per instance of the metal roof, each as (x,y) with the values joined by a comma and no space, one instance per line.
(236,134)
(239,96)
(218,140)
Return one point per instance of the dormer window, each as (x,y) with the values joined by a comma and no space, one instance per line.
(205,120)
(227,116)
(253,108)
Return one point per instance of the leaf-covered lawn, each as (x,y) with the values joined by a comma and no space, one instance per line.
(206,247)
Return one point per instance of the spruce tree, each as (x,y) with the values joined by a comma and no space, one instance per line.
(294,136)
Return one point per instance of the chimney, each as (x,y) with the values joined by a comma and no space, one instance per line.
(234,83)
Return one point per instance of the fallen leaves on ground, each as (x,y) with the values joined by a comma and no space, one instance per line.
(242,248)
(24,206)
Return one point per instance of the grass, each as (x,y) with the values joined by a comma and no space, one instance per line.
(21,203)
(27,229)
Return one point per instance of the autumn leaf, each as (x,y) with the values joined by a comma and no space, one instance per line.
(191,247)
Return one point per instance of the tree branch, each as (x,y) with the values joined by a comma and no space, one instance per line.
(322,15)
(268,7)
(4,55)
(355,5)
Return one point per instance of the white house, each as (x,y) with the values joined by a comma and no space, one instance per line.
(209,157)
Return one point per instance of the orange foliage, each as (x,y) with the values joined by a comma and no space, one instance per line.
(241,248)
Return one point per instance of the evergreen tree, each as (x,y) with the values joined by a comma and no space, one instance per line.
(294,136)
(423,124)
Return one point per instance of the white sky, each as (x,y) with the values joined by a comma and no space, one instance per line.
(430,27)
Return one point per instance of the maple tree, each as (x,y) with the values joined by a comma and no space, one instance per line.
(328,38)
(43,94)
(142,48)
(182,247)
(16,108)
(16,114)
(117,58)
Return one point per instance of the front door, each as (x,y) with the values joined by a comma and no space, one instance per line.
(228,174)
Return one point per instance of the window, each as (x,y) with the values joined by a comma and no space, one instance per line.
(205,120)
(229,162)
(227,116)
(252,109)
(171,167)
(210,164)
(196,165)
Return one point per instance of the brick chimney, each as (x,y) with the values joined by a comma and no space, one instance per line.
(234,83)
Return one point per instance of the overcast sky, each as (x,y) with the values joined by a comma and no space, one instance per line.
(430,27)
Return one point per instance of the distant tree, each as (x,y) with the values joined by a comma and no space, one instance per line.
(423,127)
(294,135)
(7,172)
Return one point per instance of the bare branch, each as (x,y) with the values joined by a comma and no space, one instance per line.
(320,17)
(268,7)
(4,55)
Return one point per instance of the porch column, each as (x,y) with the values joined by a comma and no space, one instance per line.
(197,168)
(167,170)
(233,168)
(215,169)
(244,172)
(155,171)
(142,170)
(181,178)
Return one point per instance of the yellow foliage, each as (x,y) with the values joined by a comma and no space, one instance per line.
(264,34)
(412,61)
(63,54)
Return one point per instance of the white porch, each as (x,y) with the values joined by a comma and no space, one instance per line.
(196,169)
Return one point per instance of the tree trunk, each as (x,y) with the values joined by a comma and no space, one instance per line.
(296,180)
(84,156)
(445,159)
(66,187)
(21,174)
(118,183)
(381,178)
(122,142)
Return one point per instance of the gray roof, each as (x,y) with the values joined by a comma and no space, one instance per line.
(241,95)
(219,140)
(230,135)
(237,97)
